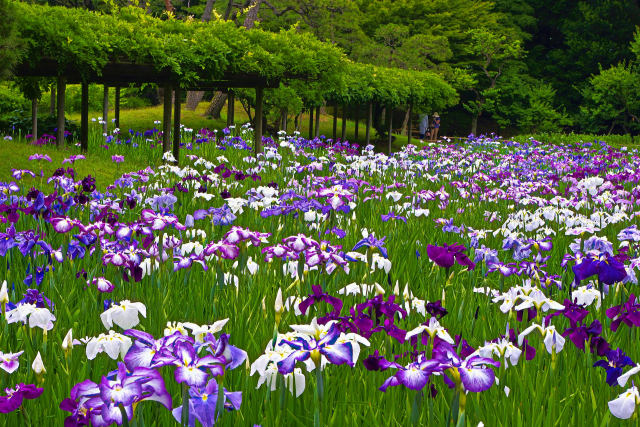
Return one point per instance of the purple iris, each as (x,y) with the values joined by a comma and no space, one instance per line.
(616,360)
(474,372)
(629,313)
(318,296)
(414,376)
(193,370)
(336,353)
(606,267)
(147,352)
(579,334)
(373,243)
(15,396)
(447,255)
(203,401)
(392,215)
(231,356)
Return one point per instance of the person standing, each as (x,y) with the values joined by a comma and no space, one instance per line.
(436,127)
(424,125)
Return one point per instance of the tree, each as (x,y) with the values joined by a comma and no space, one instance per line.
(613,98)
(494,53)
(9,52)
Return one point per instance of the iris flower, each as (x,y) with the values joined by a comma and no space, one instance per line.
(616,360)
(447,255)
(9,361)
(607,268)
(203,401)
(628,313)
(15,396)
(315,347)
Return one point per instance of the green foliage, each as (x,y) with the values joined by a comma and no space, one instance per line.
(190,50)
(574,38)
(9,52)
(613,99)
(11,99)
(525,103)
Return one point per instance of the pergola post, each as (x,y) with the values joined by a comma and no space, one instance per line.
(105,109)
(390,115)
(317,133)
(176,124)
(310,122)
(357,119)
(258,116)
(116,108)
(369,120)
(84,116)
(410,131)
(231,105)
(34,118)
(344,123)
(52,106)
(335,121)
(166,120)
(60,101)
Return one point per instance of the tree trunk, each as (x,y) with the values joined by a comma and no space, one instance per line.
(317,133)
(310,122)
(217,103)
(403,130)
(252,14)
(474,124)
(34,119)
(283,119)
(296,123)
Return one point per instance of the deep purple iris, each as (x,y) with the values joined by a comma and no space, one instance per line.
(447,255)
(616,360)
(319,296)
(629,313)
(607,268)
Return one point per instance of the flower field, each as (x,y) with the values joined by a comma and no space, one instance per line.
(322,283)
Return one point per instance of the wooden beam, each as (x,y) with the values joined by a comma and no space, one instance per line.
(344,123)
(231,105)
(317,132)
(34,119)
(258,118)
(60,101)
(166,120)
(409,133)
(116,108)
(390,115)
(176,124)
(369,120)
(84,116)
(105,109)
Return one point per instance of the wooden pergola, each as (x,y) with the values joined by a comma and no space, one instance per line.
(122,74)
